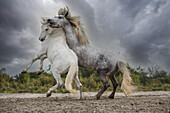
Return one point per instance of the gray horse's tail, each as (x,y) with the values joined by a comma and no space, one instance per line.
(126,85)
(69,78)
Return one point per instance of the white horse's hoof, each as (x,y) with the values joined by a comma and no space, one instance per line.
(39,72)
(48,94)
(81,92)
(24,72)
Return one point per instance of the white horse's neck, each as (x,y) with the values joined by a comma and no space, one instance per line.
(56,32)
(57,36)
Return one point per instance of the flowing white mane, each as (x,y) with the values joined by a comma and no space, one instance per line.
(76,24)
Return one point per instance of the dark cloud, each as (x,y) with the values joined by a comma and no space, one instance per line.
(19,31)
(13,22)
(137,25)
(151,28)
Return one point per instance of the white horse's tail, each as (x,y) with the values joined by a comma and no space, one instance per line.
(126,85)
(69,78)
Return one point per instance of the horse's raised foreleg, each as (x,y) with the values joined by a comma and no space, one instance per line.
(79,85)
(58,80)
(105,84)
(27,68)
(33,60)
(41,64)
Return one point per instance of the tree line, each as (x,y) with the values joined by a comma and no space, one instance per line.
(152,80)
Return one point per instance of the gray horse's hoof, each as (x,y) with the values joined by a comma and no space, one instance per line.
(97,97)
(39,72)
(48,94)
(24,72)
(81,98)
(111,97)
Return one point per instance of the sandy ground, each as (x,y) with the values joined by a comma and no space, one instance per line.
(150,102)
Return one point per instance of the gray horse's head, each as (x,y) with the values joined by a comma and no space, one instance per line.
(66,21)
(62,19)
(58,22)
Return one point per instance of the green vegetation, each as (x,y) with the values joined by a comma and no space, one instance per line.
(32,83)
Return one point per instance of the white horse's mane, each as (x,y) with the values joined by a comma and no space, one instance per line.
(76,24)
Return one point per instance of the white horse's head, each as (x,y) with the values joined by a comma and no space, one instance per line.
(45,29)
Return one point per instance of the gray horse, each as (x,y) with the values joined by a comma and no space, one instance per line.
(89,57)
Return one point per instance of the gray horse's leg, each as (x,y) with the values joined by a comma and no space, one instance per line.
(41,64)
(105,84)
(114,83)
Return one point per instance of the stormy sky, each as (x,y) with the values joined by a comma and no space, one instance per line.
(136,31)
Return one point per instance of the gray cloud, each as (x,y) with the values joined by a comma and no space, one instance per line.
(87,14)
(135,31)
(19,31)
(137,25)
(151,28)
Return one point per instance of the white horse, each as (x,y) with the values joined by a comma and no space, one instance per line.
(61,57)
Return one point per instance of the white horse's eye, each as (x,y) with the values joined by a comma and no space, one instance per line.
(46,29)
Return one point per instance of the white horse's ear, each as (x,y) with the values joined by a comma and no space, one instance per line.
(44,20)
(55,16)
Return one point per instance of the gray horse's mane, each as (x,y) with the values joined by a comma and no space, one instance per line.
(76,24)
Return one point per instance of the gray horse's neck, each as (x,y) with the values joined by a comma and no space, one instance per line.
(71,38)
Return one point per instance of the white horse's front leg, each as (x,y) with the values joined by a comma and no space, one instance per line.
(79,85)
(33,60)
(58,80)
(28,67)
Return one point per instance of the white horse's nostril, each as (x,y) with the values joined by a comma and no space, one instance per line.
(41,39)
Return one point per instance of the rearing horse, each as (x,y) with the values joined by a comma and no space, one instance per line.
(89,57)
